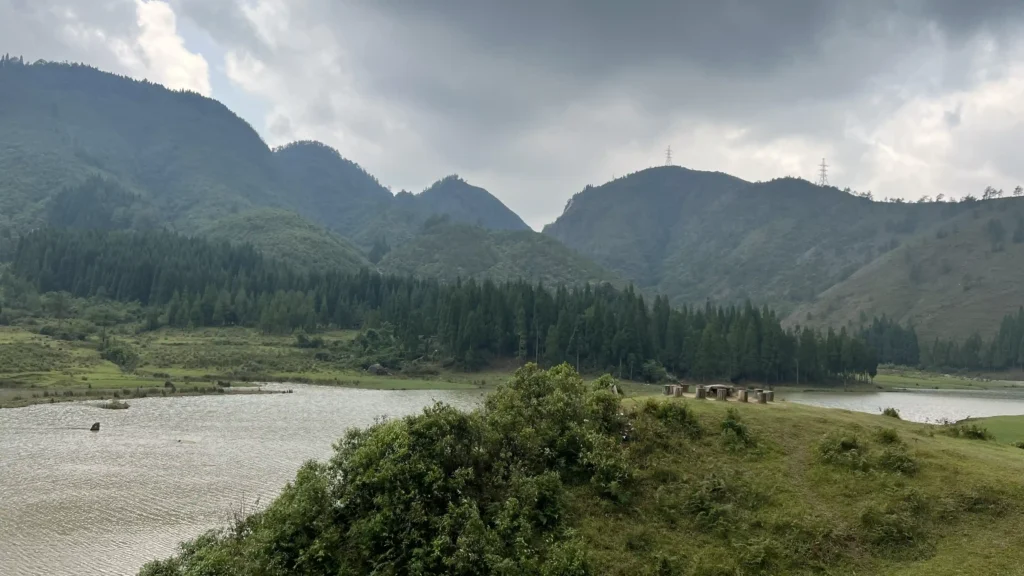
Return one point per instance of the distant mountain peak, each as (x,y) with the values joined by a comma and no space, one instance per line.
(469,204)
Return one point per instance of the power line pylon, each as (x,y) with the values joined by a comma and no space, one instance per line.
(668,156)
(823,174)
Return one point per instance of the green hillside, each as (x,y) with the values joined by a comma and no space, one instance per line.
(956,278)
(82,148)
(557,476)
(463,202)
(286,236)
(448,251)
(694,235)
(329,189)
(189,158)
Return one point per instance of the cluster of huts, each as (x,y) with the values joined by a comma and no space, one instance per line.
(722,392)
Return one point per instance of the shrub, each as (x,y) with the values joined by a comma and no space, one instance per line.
(888,436)
(1019,444)
(710,503)
(844,451)
(734,431)
(442,492)
(891,412)
(970,431)
(676,416)
(124,356)
(894,458)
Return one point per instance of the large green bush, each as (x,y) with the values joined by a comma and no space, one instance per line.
(443,492)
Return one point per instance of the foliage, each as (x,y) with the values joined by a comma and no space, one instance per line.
(734,432)
(968,430)
(285,236)
(511,489)
(844,451)
(449,251)
(947,287)
(194,283)
(121,354)
(444,492)
(891,413)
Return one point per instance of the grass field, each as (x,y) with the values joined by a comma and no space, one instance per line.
(36,368)
(775,507)
(1006,429)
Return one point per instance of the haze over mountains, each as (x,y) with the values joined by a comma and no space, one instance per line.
(83,148)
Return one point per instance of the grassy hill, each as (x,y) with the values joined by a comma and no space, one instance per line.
(559,476)
(286,236)
(957,277)
(793,245)
(448,251)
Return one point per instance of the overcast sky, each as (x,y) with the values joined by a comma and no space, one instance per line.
(533,99)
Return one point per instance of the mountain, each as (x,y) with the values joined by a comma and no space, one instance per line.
(81,148)
(958,278)
(288,237)
(191,160)
(463,202)
(320,184)
(189,156)
(447,251)
(787,243)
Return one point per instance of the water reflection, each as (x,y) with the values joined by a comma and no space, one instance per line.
(77,502)
(923,406)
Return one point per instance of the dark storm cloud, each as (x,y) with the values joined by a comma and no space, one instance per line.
(559,91)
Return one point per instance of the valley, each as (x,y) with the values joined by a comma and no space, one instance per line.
(305,372)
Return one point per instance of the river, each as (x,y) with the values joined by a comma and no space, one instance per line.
(919,406)
(76,502)
(163,471)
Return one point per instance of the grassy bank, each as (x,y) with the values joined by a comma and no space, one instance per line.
(1006,429)
(35,368)
(558,477)
(895,379)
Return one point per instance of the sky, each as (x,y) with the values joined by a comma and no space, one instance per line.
(534,99)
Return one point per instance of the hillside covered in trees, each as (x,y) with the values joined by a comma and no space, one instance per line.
(823,256)
(193,282)
(83,149)
(448,251)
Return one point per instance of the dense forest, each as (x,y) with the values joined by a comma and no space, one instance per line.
(194,282)
(898,345)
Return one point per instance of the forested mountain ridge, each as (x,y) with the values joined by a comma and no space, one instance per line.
(190,158)
(82,148)
(447,251)
(955,279)
(286,236)
(695,235)
(62,123)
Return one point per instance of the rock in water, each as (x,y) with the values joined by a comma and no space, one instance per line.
(95,427)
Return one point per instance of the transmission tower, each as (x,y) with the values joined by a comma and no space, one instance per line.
(668,156)
(823,174)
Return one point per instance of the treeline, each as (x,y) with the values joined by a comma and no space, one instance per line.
(896,344)
(193,282)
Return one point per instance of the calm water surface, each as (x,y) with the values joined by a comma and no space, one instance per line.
(923,406)
(163,471)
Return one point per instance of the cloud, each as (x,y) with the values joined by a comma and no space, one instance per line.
(164,56)
(138,38)
(533,99)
